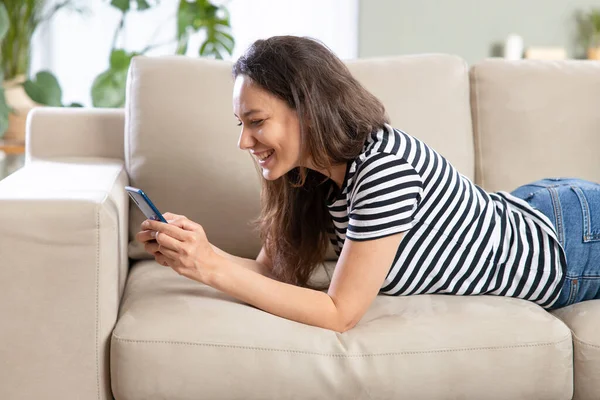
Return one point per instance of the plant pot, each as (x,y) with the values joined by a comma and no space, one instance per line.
(593,53)
(18,100)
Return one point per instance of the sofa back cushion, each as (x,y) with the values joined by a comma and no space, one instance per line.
(535,119)
(181,135)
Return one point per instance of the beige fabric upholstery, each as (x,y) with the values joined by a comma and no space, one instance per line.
(181,149)
(65,282)
(180,339)
(534,119)
(63,269)
(72,132)
(584,321)
(427,96)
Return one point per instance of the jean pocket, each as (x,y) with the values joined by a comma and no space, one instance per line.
(589,199)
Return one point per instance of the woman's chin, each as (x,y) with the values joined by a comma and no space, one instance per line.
(272,174)
(269,175)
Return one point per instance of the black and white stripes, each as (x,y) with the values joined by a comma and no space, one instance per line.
(459,238)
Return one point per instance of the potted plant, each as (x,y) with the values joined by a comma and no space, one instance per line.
(108,88)
(18,22)
(589,32)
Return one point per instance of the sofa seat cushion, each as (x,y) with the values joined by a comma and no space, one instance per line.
(177,338)
(584,321)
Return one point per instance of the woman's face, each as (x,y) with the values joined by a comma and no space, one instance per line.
(269,127)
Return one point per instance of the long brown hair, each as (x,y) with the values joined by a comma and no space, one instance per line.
(336,115)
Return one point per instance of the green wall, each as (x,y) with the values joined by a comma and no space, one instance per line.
(469,28)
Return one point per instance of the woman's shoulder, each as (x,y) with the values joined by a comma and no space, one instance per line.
(386,142)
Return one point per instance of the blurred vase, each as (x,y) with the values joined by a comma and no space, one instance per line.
(513,47)
(593,53)
(18,100)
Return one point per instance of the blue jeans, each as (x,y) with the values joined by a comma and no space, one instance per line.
(573,206)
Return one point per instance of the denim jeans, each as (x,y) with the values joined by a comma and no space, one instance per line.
(573,206)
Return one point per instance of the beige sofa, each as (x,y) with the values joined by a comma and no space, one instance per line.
(86,314)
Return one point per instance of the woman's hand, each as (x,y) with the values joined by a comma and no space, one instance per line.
(145,237)
(181,244)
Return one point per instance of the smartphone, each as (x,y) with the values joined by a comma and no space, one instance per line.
(145,204)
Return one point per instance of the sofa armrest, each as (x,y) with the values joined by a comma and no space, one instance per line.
(74,132)
(63,267)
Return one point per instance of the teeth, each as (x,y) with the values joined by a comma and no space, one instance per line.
(262,157)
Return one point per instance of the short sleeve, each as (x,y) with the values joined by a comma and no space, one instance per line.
(384,197)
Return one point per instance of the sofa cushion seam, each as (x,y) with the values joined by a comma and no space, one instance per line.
(128,116)
(106,198)
(478,134)
(485,348)
(466,71)
(579,341)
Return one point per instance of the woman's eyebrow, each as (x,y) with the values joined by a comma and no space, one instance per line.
(248,113)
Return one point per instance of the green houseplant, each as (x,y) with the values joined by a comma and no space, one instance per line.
(108,88)
(589,32)
(18,21)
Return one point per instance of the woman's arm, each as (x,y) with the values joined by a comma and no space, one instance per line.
(359,273)
(262,264)
(296,303)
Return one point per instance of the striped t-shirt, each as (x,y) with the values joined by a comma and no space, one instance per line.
(459,238)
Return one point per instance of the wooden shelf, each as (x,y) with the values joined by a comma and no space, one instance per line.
(12,146)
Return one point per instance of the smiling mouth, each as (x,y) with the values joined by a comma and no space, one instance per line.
(265,155)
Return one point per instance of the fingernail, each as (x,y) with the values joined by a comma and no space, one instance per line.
(153,234)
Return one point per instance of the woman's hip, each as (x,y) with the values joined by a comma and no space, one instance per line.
(573,206)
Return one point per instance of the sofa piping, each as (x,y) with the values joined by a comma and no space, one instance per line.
(485,348)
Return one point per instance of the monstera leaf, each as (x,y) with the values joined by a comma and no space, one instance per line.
(196,15)
(108,89)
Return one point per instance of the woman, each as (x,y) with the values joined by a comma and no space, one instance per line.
(401,218)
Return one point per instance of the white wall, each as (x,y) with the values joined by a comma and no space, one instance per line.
(471,29)
(76,48)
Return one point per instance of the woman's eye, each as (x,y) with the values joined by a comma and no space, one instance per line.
(256,122)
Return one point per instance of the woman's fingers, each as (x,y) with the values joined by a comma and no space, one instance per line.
(151,247)
(171,216)
(186,224)
(144,236)
(162,260)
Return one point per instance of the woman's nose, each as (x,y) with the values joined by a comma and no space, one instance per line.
(245,141)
